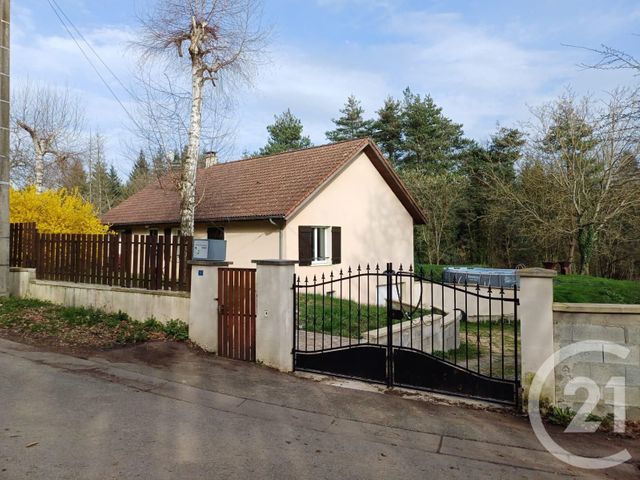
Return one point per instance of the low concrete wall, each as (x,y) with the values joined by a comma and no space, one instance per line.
(422,337)
(599,323)
(19,280)
(138,304)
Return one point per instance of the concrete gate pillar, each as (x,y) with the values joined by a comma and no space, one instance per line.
(274,313)
(203,307)
(536,326)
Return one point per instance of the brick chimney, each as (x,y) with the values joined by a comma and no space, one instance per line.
(210,159)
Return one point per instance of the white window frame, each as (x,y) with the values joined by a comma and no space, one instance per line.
(327,246)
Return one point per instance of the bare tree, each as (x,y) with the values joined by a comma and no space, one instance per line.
(612,59)
(222,39)
(52,118)
(441,195)
(581,169)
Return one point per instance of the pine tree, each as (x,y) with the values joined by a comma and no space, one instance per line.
(387,129)
(99,182)
(351,124)
(431,140)
(115,188)
(140,175)
(285,134)
(74,176)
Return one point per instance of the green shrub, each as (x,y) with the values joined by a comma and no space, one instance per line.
(153,325)
(177,329)
(560,415)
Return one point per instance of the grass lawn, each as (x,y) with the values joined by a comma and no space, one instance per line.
(491,338)
(44,323)
(585,289)
(341,317)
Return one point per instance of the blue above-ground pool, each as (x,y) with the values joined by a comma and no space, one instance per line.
(486,277)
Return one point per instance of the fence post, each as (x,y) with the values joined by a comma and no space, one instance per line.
(274,313)
(389,279)
(203,307)
(536,326)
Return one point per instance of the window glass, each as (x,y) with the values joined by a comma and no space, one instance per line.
(215,233)
(320,253)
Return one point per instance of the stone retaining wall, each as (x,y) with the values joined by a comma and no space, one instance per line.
(599,323)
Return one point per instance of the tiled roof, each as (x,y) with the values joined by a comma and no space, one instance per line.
(254,188)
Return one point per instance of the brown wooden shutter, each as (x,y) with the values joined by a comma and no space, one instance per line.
(305,246)
(336,245)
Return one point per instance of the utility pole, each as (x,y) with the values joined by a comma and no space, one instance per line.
(4,147)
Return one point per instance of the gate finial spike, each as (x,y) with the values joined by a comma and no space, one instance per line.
(359,269)
(349,271)
(322,277)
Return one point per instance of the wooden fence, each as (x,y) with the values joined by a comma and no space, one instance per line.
(130,261)
(22,245)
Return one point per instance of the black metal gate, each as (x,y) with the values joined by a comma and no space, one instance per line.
(409,329)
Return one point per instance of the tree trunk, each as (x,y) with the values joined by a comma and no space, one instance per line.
(190,162)
(587,237)
(39,169)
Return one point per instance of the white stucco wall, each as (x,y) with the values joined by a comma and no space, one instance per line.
(376,228)
(247,241)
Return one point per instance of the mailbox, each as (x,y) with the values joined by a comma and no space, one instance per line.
(215,250)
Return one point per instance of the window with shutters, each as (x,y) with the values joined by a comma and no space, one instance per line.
(319,245)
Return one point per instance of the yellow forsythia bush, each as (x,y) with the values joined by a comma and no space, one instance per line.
(54,211)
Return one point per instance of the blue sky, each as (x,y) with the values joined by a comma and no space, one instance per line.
(483,62)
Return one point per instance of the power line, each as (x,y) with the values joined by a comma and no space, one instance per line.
(88,44)
(93,66)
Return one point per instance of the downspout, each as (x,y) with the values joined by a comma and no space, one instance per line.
(280,239)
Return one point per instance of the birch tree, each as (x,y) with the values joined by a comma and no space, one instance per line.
(52,119)
(212,40)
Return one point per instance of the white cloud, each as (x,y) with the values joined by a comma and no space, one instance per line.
(478,73)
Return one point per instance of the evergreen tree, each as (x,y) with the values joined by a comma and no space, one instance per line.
(99,182)
(140,175)
(115,188)
(351,124)
(74,176)
(387,129)
(485,231)
(285,134)
(431,140)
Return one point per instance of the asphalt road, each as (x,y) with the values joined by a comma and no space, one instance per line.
(191,416)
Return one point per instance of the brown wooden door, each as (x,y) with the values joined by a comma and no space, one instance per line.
(237,313)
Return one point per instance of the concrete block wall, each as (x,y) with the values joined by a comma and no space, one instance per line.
(599,323)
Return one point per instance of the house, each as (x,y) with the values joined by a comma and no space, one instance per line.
(335,205)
